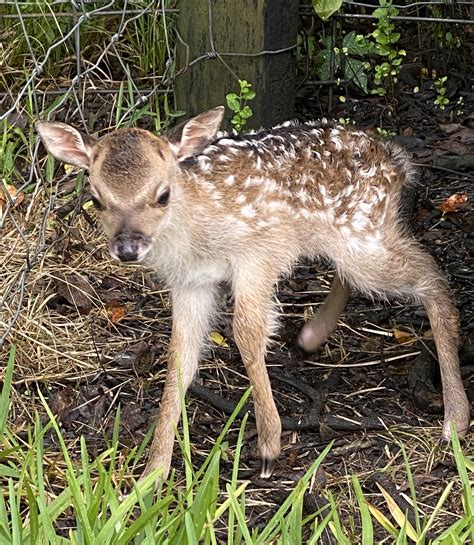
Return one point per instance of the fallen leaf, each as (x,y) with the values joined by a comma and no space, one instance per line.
(292,457)
(77,291)
(16,196)
(450,128)
(116,311)
(218,339)
(454,203)
(68,168)
(140,357)
(466,136)
(402,337)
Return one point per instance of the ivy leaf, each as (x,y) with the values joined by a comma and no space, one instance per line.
(323,62)
(325,8)
(355,71)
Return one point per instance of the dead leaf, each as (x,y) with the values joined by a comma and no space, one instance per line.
(16,196)
(218,339)
(398,514)
(466,136)
(292,457)
(68,168)
(450,128)
(402,337)
(140,357)
(77,290)
(454,203)
(116,311)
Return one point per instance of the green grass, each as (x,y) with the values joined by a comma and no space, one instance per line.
(99,502)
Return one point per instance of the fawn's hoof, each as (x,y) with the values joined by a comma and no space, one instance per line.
(312,336)
(459,417)
(266,467)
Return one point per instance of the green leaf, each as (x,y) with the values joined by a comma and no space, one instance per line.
(5,394)
(323,62)
(325,8)
(355,71)
(248,94)
(356,44)
(246,113)
(367,528)
(380,13)
(233,102)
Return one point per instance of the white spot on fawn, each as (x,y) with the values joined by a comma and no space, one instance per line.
(204,163)
(248,211)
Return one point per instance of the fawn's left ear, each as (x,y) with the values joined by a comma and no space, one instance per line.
(191,137)
(66,143)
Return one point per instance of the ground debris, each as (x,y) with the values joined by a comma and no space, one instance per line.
(77,291)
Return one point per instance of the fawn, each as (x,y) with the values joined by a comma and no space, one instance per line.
(202,207)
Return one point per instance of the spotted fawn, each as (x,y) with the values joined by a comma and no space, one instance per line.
(201,208)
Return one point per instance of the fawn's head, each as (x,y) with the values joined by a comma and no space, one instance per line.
(133,174)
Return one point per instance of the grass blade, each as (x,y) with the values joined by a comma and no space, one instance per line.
(5,395)
(365,518)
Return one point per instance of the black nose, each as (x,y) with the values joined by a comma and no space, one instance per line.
(130,246)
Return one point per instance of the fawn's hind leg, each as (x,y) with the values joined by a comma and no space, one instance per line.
(401,267)
(315,332)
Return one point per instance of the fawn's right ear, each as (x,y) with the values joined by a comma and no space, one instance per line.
(192,136)
(66,143)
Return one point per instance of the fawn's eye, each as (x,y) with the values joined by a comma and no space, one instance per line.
(97,204)
(163,199)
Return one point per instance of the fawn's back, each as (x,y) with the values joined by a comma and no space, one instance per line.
(298,189)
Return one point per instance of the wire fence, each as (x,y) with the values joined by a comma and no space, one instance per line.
(102,64)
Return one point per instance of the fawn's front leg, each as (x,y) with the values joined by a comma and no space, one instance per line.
(252,326)
(192,309)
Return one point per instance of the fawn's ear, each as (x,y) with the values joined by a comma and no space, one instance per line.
(191,137)
(66,143)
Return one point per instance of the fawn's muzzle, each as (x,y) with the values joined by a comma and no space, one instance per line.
(130,247)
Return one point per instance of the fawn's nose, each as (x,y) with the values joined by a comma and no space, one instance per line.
(130,247)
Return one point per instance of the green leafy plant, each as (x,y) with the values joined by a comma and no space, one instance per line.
(385,44)
(441,100)
(352,59)
(238,104)
(345,121)
(349,59)
(385,133)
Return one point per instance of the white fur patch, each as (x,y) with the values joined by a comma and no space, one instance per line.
(248,211)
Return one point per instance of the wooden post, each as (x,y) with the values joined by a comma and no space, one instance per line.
(238,27)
